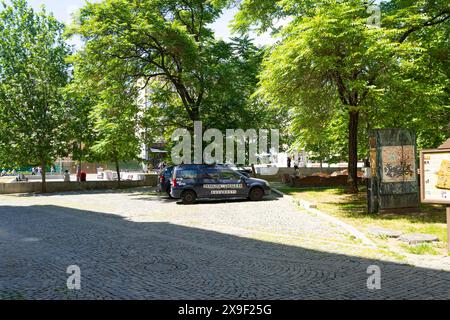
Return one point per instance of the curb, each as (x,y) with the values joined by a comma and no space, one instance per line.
(312,208)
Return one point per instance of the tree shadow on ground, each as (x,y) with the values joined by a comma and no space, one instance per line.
(123,259)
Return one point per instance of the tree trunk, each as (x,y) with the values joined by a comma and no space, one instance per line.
(118,173)
(353,152)
(43,176)
(80,162)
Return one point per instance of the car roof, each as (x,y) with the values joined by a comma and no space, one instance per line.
(200,165)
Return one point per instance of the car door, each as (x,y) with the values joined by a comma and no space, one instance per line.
(232,184)
(210,183)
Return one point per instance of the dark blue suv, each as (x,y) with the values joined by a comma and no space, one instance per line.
(192,182)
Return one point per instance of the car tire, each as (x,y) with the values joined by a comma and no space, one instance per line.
(256,194)
(188,197)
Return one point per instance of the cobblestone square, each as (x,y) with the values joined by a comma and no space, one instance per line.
(136,245)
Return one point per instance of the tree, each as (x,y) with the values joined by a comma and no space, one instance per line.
(323,139)
(418,96)
(231,78)
(328,60)
(328,57)
(166,49)
(32,72)
(81,136)
(167,40)
(115,125)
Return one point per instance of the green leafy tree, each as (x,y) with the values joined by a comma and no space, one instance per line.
(32,72)
(115,125)
(164,40)
(167,49)
(81,135)
(328,58)
(231,78)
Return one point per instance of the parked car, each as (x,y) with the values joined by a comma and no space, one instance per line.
(164,179)
(192,182)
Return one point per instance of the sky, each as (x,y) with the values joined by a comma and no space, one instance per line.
(63,9)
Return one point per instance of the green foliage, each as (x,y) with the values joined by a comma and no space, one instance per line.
(106,127)
(80,131)
(115,125)
(151,39)
(167,49)
(329,64)
(33,71)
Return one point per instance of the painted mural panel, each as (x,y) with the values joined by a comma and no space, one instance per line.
(399,163)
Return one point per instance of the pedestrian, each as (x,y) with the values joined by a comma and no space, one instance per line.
(66,176)
(78,173)
(289,160)
(296,169)
(52,170)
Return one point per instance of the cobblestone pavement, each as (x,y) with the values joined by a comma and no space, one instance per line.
(134,245)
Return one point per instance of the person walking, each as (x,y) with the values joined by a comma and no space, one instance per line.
(78,173)
(296,168)
(66,176)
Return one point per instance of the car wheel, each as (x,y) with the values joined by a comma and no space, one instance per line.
(188,197)
(256,194)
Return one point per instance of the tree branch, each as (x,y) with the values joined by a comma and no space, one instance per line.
(441,17)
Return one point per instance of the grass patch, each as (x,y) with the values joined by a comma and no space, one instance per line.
(352,208)
(423,248)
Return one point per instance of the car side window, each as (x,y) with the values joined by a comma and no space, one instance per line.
(187,174)
(229,175)
(211,173)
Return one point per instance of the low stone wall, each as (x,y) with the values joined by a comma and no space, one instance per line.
(52,187)
(283,172)
(317,181)
(48,177)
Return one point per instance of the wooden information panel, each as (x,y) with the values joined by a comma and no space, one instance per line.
(435,176)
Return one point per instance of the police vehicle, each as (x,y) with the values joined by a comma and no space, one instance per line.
(192,182)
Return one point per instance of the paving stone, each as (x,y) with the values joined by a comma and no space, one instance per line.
(131,245)
(416,238)
(381,232)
